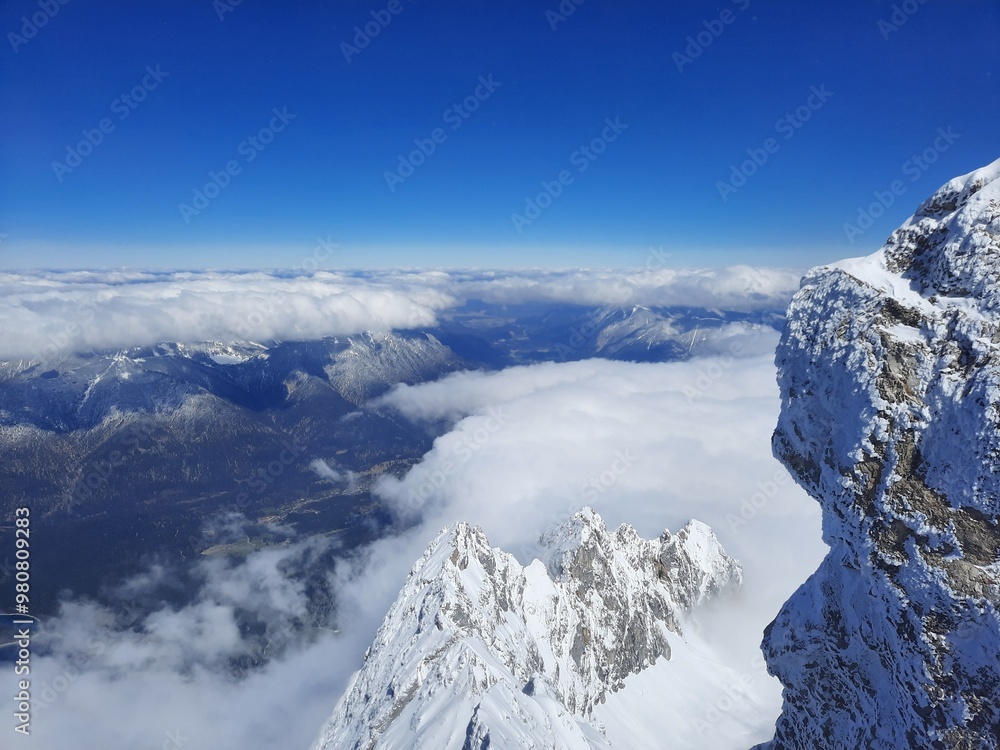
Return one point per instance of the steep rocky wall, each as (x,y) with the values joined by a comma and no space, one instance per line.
(889,369)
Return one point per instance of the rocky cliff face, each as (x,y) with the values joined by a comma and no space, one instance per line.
(889,369)
(481,652)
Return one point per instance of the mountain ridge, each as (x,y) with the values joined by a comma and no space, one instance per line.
(479,649)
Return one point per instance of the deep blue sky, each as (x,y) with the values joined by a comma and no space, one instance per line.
(324,174)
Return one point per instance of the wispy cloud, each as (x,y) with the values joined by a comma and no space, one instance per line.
(325,471)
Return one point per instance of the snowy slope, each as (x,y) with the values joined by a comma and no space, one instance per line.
(889,370)
(480,652)
(692,702)
(371,360)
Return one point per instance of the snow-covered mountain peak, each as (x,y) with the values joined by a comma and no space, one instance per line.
(480,651)
(889,368)
(581,534)
(946,255)
(955,194)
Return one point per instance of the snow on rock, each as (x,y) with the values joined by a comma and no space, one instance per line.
(889,371)
(478,651)
(370,360)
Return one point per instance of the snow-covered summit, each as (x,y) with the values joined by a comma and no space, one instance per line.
(889,369)
(479,651)
(945,255)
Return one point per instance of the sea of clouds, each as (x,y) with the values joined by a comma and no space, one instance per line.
(651,445)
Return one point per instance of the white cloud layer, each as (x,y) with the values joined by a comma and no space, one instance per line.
(78,311)
(651,445)
(115,680)
(47,313)
(739,288)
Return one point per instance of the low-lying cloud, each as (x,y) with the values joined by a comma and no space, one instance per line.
(138,676)
(652,445)
(324,471)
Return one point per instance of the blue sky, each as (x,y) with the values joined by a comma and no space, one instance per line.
(534,85)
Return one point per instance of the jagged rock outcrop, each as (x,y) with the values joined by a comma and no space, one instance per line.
(481,652)
(889,369)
